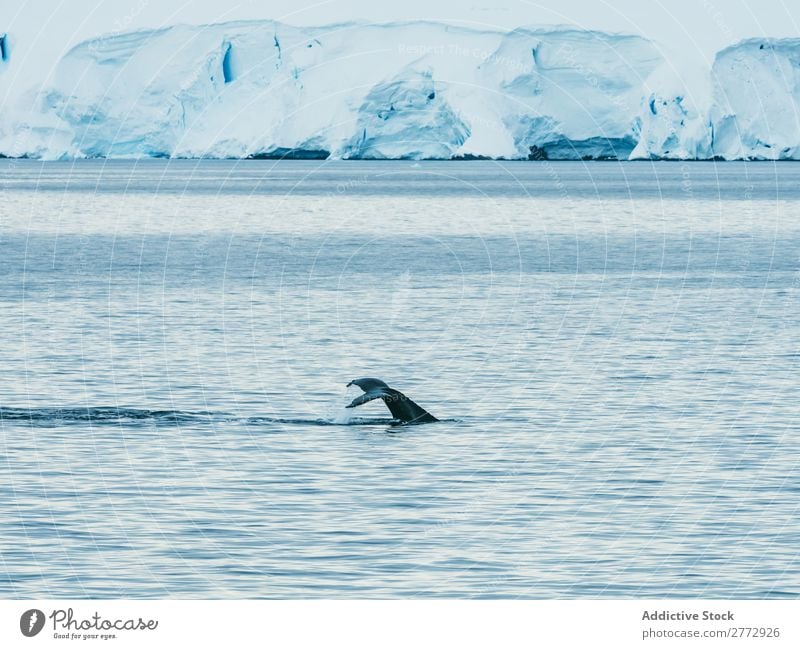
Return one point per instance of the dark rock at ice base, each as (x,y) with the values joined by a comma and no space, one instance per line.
(284,153)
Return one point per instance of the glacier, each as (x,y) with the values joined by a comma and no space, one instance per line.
(403,90)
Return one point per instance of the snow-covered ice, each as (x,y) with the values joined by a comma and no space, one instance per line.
(410,90)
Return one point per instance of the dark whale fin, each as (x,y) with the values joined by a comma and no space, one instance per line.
(399,405)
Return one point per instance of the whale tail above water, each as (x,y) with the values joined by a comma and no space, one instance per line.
(399,405)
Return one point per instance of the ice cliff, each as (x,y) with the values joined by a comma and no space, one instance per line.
(400,90)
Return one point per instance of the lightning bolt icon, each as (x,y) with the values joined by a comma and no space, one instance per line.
(32,621)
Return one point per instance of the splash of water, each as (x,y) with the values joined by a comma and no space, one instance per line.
(342,414)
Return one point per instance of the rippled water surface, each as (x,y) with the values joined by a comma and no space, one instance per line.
(614,348)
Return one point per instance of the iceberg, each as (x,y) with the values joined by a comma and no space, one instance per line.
(755,113)
(404,90)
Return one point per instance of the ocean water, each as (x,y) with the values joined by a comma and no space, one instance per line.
(613,348)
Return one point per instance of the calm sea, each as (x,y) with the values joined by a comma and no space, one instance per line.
(614,349)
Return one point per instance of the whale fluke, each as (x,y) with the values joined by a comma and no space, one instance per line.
(399,405)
